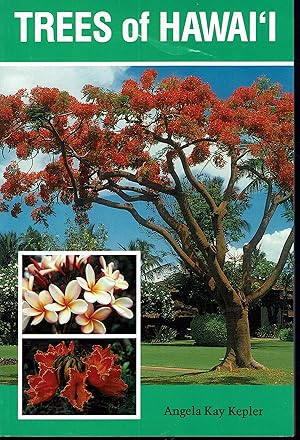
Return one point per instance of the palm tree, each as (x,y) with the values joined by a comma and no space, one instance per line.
(9,247)
(151,264)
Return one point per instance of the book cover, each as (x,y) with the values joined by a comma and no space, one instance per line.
(146,238)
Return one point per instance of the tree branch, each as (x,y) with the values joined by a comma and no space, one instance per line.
(65,159)
(133,178)
(199,187)
(146,223)
(267,285)
(249,247)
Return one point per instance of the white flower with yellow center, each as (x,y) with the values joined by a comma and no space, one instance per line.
(96,291)
(36,305)
(66,303)
(108,270)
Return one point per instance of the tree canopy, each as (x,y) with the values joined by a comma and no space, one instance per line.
(138,144)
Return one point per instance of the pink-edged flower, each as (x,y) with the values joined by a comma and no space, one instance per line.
(67,303)
(122,306)
(37,307)
(80,259)
(90,321)
(48,264)
(25,318)
(75,261)
(27,284)
(108,270)
(96,291)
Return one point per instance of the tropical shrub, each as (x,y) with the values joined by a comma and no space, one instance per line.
(268,331)
(209,330)
(8,304)
(286,334)
(156,298)
(165,334)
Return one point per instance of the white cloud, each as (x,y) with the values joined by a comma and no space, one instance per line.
(234,254)
(68,78)
(205,168)
(270,244)
(35,164)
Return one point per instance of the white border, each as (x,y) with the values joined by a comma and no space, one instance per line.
(136,336)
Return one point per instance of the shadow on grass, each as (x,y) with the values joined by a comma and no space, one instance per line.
(263,345)
(180,344)
(231,380)
(200,379)
(8,381)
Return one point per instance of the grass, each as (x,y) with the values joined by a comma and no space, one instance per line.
(8,351)
(276,355)
(8,373)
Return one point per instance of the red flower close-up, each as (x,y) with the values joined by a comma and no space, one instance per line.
(75,375)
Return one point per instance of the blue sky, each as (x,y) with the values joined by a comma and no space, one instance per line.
(122,228)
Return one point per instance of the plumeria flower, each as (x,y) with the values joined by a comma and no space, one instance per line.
(25,318)
(108,270)
(80,259)
(48,264)
(27,284)
(75,261)
(122,306)
(38,304)
(96,291)
(51,264)
(90,321)
(67,303)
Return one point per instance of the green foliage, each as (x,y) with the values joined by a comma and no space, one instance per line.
(275,331)
(165,334)
(192,290)
(33,240)
(84,237)
(9,247)
(287,333)
(233,271)
(262,268)
(156,298)
(234,224)
(8,304)
(76,238)
(268,331)
(209,330)
(151,263)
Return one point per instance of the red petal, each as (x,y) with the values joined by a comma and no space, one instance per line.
(71,347)
(52,353)
(110,384)
(43,386)
(103,359)
(75,390)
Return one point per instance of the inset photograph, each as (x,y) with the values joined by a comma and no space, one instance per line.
(64,293)
(79,378)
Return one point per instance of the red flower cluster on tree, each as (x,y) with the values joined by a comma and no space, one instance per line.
(64,373)
(113,132)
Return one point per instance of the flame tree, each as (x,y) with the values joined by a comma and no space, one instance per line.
(139,144)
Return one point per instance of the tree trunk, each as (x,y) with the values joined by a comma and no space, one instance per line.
(238,352)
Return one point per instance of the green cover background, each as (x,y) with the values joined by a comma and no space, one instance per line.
(276,401)
(152,50)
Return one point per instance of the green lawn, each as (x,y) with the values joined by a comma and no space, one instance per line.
(8,373)
(274,354)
